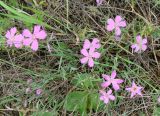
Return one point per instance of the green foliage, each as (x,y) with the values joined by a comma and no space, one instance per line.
(22,16)
(83,101)
(156,33)
(5,23)
(156,111)
(85,81)
(156,2)
(95,103)
(41,113)
(76,101)
(4,100)
(60,70)
(88,99)
(14,3)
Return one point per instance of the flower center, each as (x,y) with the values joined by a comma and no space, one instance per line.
(89,55)
(91,45)
(106,95)
(140,44)
(111,80)
(134,88)
(33,37)
(12,39)
(116,25)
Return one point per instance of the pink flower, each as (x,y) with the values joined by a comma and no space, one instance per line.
(38,91)
(18,41)
(13,38)
(140,44)
(88,56)
(117,24)
(10,35)
(99,2)
(32,39)
(111,80)
(95,43)
(105,97)
(135,89)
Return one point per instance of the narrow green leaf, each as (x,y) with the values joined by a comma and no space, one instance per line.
(19,15)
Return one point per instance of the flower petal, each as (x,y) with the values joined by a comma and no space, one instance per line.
(117,31)
(119,81)
(34,45)
(27,41)
(18,41)
(9,43)
(27,33)
(132,94)
(8,35)
(95,40)
(113,75)
(101,97)
(99,2)
(144,41)
(144,47)
(122,24)
(84,52)
(106,77)
(96,43)
(92,51)
(139,92)
(111,97)
(13,31)
(96,55)
(115,86)
(137,49)
(90,62)
(133,84)
(110,25)
(86,44)
(133,46)
(118,19)
(84,60)
(139,39)
(128,89)
(105,84)
(106,100)
(41,34)
(109,92)
(37,29)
